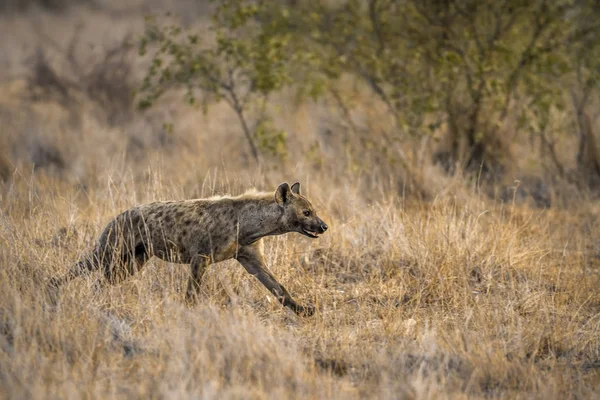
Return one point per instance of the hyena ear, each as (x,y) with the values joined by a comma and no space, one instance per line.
(283,194)
(296,188)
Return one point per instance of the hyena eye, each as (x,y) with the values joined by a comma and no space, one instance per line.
(306,213)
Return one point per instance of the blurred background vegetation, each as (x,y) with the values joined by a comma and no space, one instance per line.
(412,95)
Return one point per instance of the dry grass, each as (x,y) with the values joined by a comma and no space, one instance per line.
(439,299)
(449,295)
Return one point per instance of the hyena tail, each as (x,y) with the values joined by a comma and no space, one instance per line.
(82,267)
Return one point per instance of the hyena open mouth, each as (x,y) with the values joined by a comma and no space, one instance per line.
(310,234)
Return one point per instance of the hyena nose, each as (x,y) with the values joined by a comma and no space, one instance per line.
(324,227)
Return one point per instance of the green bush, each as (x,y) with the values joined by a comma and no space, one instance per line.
(471,69)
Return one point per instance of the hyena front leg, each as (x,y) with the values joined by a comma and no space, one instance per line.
(253,261)
(198,267)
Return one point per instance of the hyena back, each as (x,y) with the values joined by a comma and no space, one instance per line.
(201,232)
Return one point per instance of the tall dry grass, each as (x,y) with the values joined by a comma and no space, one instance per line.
(451,298)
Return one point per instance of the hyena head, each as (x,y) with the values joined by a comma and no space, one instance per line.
(298,214)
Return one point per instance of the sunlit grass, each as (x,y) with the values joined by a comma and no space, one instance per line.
(436,299)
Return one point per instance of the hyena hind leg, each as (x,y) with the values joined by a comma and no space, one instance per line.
(120,268)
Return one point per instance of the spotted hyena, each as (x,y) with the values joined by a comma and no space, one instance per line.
(201,232)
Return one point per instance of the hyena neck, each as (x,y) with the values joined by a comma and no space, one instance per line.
(259,218)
